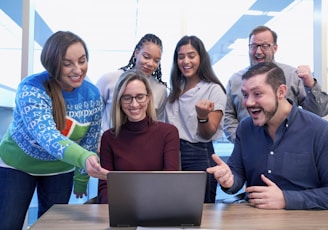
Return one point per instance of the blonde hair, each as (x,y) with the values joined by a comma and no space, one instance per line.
(118,116)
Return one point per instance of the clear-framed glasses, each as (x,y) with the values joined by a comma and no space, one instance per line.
(140,98)
(263,47)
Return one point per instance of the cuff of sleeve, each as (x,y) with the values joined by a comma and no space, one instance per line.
(80,182)
(293,200)
(315,89)
(80,187)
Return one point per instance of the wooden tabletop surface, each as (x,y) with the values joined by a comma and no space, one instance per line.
(215,216)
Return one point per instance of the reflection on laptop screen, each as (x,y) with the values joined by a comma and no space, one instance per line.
(155,198)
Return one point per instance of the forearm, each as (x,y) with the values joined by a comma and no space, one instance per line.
(81,179)
(207,127)
(75,154)
(306,199)
(206,130)
(316,100)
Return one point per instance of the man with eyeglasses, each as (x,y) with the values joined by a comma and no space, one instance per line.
(303,89)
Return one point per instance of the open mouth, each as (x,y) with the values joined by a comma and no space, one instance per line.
(259,58)
(187,68)
(76,78)
(134,111)
(254,111)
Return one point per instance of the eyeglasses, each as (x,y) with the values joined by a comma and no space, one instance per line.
(263,47)
(140,98)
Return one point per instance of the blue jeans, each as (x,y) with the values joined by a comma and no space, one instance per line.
(17,190)
(197,157)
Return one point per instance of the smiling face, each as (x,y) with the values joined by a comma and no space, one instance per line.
(259,54)
(73,67)
(148,58)
(259,99)
(135,111)
(188,61)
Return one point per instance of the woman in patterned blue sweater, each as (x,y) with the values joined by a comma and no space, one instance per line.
(54,134)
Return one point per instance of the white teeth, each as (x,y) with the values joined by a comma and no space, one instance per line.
(259,56)
(76,78)
(255,110)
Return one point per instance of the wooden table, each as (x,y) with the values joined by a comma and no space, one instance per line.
(215,216)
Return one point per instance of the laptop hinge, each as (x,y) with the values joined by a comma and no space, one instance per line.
(123,225)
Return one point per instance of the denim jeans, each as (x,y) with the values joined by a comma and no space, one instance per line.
(197,157)
(17,190)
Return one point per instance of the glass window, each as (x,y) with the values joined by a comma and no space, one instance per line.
(112,28)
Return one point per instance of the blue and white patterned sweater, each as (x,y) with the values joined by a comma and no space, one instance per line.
(34,145)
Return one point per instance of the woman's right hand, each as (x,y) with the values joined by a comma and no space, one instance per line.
(94,169)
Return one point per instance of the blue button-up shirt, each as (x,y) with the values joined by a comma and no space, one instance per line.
(296,160)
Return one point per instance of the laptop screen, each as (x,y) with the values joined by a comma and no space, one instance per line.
(155,198)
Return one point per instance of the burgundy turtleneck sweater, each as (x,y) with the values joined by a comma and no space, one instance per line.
(140,146)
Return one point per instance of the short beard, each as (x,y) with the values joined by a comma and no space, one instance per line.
(270,114)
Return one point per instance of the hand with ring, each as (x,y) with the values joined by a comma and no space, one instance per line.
(266,197)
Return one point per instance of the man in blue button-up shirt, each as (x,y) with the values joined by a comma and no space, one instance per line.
(281,151)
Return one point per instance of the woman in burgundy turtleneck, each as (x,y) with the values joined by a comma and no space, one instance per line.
(136,141)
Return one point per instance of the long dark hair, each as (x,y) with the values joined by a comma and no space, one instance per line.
(52,56)
(157,74)
(205,70)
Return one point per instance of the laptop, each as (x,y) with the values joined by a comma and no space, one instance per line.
(155,198)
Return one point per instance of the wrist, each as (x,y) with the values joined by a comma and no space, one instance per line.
(202,120)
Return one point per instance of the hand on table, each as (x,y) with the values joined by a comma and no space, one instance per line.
(266,197)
